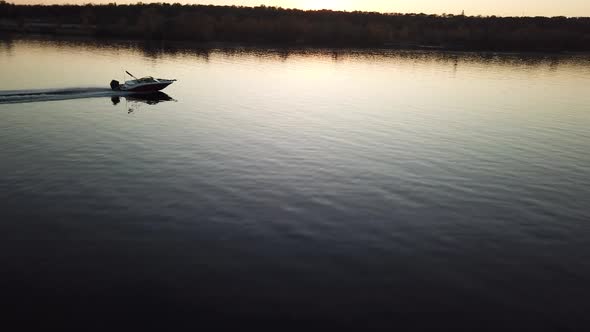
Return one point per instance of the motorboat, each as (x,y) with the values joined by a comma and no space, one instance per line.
(146,84)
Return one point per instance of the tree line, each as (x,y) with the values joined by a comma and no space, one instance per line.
(208,23)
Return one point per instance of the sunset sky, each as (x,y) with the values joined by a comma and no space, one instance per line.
(471,7)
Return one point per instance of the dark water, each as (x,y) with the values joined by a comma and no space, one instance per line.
(306,190)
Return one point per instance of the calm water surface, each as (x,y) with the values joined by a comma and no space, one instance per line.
(318,188)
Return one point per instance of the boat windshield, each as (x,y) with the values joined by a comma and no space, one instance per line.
(147,79)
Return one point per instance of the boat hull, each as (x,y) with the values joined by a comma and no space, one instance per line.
(146,88)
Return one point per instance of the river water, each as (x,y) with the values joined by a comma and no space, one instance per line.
(298,188)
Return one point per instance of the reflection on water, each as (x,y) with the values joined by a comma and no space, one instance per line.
(341,189)
(159,50)
(6,45)
(146,98)
(134,101)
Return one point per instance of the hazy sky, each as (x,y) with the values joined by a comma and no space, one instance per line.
(471,7)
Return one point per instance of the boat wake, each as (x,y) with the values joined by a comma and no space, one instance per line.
(30,96)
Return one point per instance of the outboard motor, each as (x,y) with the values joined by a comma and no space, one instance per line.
(115,85)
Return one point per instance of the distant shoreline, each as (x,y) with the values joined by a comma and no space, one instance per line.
(297,28)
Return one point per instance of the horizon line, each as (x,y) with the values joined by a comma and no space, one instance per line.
(140,3)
